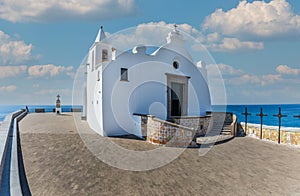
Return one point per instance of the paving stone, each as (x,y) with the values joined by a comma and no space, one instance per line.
(242,166)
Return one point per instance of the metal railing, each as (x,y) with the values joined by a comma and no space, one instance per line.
(10,176)
(279,115)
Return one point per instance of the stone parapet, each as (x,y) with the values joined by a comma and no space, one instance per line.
(199,123)
(289,136)
(157,131)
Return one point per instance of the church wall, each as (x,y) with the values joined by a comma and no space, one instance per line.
(146,89)
(94,95)
(111,102)
(198,92)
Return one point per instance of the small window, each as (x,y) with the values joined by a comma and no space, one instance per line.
(124,74)
(175,65)
(98,76)
(104,55)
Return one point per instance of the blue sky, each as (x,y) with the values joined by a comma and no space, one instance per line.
(255,43)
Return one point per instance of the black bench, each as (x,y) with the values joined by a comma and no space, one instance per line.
(39,110)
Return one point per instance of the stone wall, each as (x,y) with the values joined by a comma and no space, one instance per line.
(162,132)
(199,124)
(222,116)
(270,133)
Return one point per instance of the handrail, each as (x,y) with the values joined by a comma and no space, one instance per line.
(5,129)
(8,139)
(15,184)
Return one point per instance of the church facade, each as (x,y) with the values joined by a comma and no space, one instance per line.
(121,85)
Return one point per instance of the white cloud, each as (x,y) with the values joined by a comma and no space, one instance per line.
(54,91)
(12,71)
(212,37)
(245,79)
(235,45)
(155,33)
(224,70)
(255,19)
(286,70)
(261,80)
(237,77)
(12,51)
(9,88)
(245,87)
(148,34)
(270,79)
(35,86)
(53,10)
(49,70)
(229,70)
(35,71)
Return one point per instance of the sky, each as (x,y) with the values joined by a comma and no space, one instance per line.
(255,44)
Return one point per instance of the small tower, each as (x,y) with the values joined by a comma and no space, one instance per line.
(101,35)
(58,108)
(176,41)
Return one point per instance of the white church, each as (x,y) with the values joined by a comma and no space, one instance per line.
(165,83)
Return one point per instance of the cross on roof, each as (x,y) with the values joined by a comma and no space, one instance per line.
(175,29)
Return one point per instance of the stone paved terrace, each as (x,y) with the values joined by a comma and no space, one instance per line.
(58,163)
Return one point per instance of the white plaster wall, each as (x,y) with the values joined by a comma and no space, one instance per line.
(145,87)
(198,92)
(94,96)
(111,102)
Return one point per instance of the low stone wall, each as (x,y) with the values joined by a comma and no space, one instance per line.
(199,123)
(289,136)
(221,116)
(161,132)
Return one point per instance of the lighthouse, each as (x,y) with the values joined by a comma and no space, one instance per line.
(58,108)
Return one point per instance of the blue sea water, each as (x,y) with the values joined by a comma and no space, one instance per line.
(290,110)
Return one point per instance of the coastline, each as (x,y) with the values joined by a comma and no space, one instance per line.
(288,135)
(290,110)
(294,129)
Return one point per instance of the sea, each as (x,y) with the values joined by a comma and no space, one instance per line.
(290,110)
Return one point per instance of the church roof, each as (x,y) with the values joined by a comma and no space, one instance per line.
(101,35)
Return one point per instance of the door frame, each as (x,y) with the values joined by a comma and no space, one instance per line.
(182,80)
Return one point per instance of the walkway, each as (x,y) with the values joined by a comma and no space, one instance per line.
(58,163)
